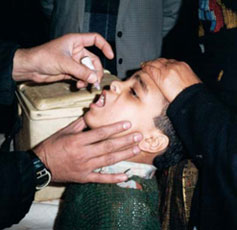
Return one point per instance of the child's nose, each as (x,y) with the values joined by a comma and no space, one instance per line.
(115,87)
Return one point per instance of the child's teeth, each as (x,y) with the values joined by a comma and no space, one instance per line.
(101,101)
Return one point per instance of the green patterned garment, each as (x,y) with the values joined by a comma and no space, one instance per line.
(108,206)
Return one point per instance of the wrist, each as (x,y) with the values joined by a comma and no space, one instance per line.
(23,65)
(40,152)
(42,174)
(19,67)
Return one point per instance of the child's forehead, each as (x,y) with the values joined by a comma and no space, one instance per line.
(145,78)
(140,75)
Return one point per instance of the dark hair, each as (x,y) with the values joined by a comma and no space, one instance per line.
(174,152)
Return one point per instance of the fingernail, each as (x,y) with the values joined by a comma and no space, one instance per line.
(137,137)
(136,150)
(111,54)
(126,125)
(92,78)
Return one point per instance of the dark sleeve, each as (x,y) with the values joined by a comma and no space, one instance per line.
(17,187)
(209,132)
(7,85)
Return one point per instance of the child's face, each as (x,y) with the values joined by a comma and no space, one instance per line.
(137,100)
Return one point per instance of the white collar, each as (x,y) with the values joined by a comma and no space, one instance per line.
(145,171)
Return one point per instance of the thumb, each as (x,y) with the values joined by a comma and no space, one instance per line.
(76,126)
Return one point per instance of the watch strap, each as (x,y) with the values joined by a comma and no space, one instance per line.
(43,175)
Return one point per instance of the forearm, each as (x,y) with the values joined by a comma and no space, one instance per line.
(24,63)
(7,84)
(209,131)
(18,187)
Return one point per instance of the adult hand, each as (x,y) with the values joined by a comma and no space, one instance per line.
(170,76)
(73,155)
(60,59)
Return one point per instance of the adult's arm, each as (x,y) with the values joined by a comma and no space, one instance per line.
(7,84)
(16,169)
(208,130)
(17,187)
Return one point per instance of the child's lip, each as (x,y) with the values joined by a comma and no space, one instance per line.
(98,103)
(103,92)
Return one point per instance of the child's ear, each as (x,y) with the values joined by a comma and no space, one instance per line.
(154,143)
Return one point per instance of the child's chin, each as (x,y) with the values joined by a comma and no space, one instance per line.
(90,121)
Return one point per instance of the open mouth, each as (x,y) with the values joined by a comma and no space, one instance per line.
(101,100)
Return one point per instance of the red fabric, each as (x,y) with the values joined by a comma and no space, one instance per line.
(214,6)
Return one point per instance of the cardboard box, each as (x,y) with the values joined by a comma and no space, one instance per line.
(46,108)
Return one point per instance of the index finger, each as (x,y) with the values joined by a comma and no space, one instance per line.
(104,132)
(90,39)
(153,72)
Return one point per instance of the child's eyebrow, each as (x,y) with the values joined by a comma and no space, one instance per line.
(141,82)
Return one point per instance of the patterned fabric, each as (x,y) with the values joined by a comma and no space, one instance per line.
(101,17)
(176,187)
(215,15)
(109,207)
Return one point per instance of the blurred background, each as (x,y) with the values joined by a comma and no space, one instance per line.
(23,21)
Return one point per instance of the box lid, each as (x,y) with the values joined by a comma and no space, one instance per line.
(47,100)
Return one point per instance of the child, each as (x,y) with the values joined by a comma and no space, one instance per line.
(132,204)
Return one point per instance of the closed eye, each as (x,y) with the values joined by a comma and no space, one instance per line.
(133,92)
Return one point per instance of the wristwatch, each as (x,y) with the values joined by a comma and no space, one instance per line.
(43,175)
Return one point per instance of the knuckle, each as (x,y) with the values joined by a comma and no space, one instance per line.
(101,132)
(109,146)
(184,64)
(96,34)
(127,140)
(172,71)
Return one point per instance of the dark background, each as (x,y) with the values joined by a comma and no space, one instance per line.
(23,21)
